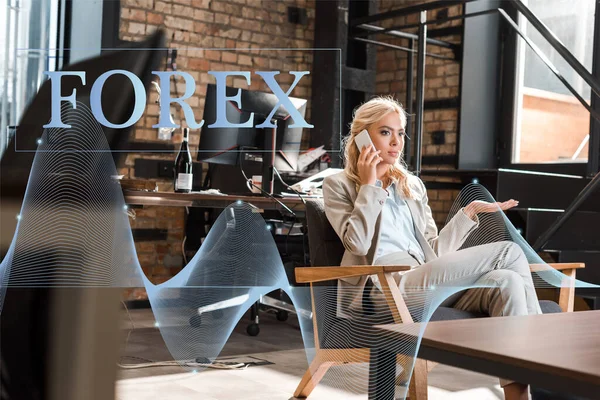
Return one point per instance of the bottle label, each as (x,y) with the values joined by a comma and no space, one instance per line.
(184,181)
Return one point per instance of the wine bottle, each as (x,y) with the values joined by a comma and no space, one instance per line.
(182,170)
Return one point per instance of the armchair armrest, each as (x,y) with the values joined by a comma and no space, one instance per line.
(566,297)
(384,272)
(556,266)
(319,274)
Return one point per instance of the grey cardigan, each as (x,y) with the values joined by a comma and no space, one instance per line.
(356,218)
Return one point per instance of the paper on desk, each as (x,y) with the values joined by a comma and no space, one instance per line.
(305,196)
(314,182)
(305,159)
(210,191)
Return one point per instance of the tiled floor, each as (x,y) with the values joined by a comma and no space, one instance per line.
(279,343)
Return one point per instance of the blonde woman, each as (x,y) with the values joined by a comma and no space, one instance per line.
(380,212)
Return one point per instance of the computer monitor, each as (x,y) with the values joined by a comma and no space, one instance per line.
(226,145)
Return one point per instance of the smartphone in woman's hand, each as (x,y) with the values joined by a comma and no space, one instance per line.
(363,139)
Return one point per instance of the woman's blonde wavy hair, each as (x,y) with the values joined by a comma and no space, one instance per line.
(364,117)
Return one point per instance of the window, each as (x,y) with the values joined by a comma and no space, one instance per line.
(28,36)
(551,125)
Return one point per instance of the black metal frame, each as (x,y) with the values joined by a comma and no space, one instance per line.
(558,46)
(576,65)
(58,45)
(421,38)
(593,164)
(421,44)
(506,137)
(68,15)
(422,41)
(111,16)
(376,30)
(409,103)
(573,207)
(428,22)
(407,11)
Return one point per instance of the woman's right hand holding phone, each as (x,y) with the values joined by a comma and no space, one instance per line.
(366,165)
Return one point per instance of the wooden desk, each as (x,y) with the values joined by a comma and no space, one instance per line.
(554,351)
(207,200)
(172,199)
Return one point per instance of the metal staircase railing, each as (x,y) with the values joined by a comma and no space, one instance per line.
(422,40)
(558,46)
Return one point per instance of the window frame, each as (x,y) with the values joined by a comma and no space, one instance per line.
(510,101)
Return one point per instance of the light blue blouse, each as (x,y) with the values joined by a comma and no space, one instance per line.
(397,232)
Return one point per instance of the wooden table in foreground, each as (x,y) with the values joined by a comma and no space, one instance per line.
(172,199)
(554,351)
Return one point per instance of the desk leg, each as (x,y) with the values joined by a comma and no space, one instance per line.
(382,374)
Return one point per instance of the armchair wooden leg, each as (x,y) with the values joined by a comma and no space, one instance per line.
(401,379)
(312,377)
(405,362)
(418,382)
(431,365)
(567,291)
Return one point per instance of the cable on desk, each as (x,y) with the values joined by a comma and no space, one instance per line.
(186,363)
(251,184)
(132,324)
(303,202)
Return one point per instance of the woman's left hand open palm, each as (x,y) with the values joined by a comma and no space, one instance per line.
(479,206)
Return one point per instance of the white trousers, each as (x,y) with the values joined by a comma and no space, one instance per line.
(501,269)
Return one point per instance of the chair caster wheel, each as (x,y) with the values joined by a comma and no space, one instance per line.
(195,321)
(282,315)
(253,329)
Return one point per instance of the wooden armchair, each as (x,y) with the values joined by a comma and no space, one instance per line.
(331,348)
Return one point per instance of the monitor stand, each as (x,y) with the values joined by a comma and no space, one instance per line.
(268,164)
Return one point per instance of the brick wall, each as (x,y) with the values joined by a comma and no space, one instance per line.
(219,35)
(441,82)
